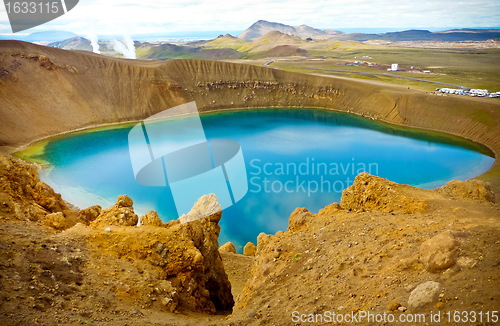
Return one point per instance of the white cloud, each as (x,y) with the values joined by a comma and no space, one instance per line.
(134,17)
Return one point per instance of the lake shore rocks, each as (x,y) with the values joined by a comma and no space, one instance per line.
(121,213)
(250,249)
(151,218)
(23,195)
(172,267)
(229,247)
(206,205)
(344,256)
(372,193)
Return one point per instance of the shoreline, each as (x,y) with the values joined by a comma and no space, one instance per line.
(454,139)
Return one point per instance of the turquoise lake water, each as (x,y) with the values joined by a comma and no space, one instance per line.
(294,158)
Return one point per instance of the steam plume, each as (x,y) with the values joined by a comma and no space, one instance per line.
(93,41)
(125,47)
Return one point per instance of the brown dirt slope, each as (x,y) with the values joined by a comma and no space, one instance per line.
(45,91)
(63,266)
(363,258)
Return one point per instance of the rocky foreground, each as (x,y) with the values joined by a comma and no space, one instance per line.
(386,248)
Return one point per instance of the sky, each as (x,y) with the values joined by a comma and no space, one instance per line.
(94,17)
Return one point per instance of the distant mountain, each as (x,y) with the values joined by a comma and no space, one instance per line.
(74,43)
(263,27)
(50,36)
(227,36)
(424,35)
(304,31)
(277,37)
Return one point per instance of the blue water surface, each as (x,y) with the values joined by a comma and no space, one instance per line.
(294,158)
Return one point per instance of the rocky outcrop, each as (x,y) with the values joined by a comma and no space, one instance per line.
(55,220)
(184,255)
(204,233)
(250,249)
(205,206)
(89,214)
(477,190)
(229,247)
(173,267)
(23,195)
(372,193)
(121,213)
(151,218)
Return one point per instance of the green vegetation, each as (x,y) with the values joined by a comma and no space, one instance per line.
(469,67)
(473,68)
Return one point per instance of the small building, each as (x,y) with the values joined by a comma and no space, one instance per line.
(394,67)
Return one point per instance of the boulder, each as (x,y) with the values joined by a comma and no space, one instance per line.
(23,195)
(250,249)
(423,295)
(205,206)
(372,193)
(55,220)
(124,201)
(229,247)
(89,214)
(121,213)
(151,218)
(439,252)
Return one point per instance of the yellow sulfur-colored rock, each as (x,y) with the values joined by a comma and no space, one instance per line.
(121,213)
(151,218)
(471,189)
(228,246)
(439,252)
(89,214)
(372,193)
(55,220)
(250,249)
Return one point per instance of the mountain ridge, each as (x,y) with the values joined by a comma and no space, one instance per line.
(262,27)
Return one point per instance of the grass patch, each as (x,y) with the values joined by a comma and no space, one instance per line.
(474,68)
